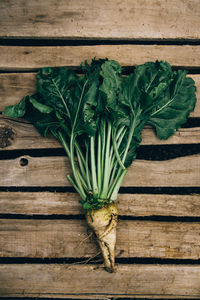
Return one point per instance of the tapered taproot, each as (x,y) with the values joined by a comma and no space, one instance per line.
(103,222)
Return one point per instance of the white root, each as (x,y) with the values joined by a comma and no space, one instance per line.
(103,222)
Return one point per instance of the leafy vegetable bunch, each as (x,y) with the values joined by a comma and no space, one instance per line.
(98,118)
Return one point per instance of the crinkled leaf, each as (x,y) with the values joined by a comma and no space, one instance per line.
(79,107)
(144,87)
(96,101)
(56,85)
(93,69)
(140,92)
(109,91)
(111,84)
(174,106)
(86,96)
(89,109)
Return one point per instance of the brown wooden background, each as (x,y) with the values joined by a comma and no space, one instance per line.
(43,250)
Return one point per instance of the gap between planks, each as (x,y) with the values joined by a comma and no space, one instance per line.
(66,281)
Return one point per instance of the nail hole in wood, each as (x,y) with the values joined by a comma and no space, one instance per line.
(23,162)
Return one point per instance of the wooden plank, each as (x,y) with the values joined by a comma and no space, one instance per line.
(52,171)
(25,136)
(182,136)
(148,19)
(69,238)
(15,86)
(50,203)
(66,281)
(32,58)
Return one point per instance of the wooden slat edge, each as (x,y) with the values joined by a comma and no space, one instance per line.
(69,238)
(131,280)
(124,20)
(52,171)
(32,58)
(25,136)
(50,203)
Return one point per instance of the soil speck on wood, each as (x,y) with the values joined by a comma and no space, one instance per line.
(6,134)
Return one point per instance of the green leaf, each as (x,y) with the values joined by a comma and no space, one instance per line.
(41,107)
(16,111)
(144,87)
(140,92)
(36,113)
(174,106)
(57,87)
(111,84)
(99,117)
(32,109)
(93,105)
(109,91)
(89,109)
(93,69)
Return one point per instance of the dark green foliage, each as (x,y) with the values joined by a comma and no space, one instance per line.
(177,100)
(98,117)
(16,111)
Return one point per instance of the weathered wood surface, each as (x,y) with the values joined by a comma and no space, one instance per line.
(52,171)
(148,19)
(25,136)
(69,238)
(14,86)
(32,58)
(129,20)
(91,281)
(50,203)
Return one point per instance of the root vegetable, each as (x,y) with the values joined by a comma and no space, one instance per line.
(103,222)
(98,118)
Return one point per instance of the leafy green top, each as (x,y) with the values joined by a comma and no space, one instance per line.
(98,117)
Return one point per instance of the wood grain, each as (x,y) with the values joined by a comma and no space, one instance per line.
(147,19)
(52,171)
(50,203)
(69,238)
(14,86)
(25,136)
(32,58)
(90,281)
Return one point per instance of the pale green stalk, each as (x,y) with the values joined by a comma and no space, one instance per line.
(106,163)
(93,166)
(99,159)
